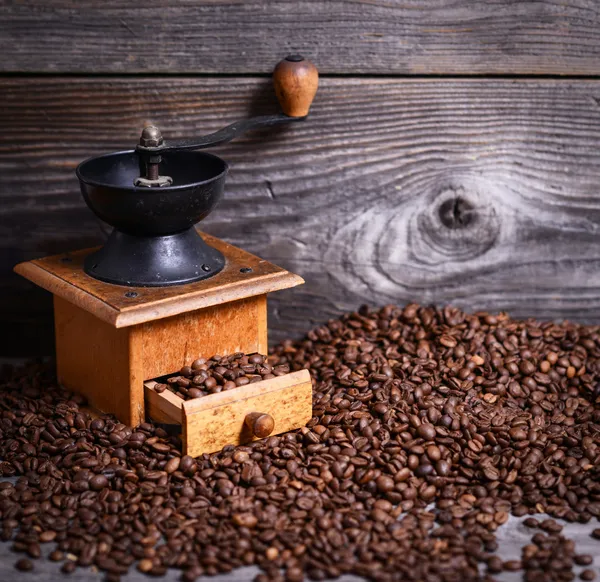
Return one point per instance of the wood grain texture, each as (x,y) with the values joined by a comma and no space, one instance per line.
(165,407)
(97,360)
(295,81)
(109,365)
(481,193)
(76,295)
(64,275)
(341,36)
(166,345)
(211,422)
(217,420)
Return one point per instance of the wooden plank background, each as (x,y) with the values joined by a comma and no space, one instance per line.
(483,193)
(452,153)
(343,36)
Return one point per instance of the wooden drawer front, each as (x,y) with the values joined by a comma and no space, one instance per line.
(211,422)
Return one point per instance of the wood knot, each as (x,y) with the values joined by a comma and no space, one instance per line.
(411,246)
(457,213)
(458,224)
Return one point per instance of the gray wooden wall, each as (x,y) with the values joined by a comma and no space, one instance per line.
(452,153)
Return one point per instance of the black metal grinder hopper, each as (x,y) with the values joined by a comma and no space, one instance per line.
(154,195)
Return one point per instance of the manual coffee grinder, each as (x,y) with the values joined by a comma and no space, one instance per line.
(158,294)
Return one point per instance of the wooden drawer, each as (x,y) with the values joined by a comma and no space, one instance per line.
(211,422)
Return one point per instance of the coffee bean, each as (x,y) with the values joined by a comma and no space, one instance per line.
(98,482)
(448,341)
(526,368)
(434,453)
(68,567)
(24,565)
(187,464)
(517,434)
(34,550)
(588,575)
(550,526)
(245,520)
(495,565)
(583,559)
(294,574)
(186,371)
(240,456)
(47,536)
(272,553)
(385,483)
(402,475)
(145,565)
(426,431)
(172,465)
(210,383)
(491,473)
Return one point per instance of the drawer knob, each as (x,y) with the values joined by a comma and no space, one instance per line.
(260,424)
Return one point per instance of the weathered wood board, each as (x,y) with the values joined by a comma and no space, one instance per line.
(356,36)
(483,193)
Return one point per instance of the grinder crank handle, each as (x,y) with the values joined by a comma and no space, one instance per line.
(295,80)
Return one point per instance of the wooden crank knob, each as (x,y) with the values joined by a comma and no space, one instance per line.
(260,424)
(296,81)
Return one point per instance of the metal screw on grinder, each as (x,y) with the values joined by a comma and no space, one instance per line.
(152,138)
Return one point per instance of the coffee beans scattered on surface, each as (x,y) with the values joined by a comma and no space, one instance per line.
(583,559)
(430,427)
(221,373)
(549,557)
(24,565)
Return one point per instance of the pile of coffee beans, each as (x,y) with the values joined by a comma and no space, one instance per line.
(430,428)
(221,373)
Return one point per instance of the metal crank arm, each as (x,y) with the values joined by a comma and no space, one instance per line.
(295,81)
